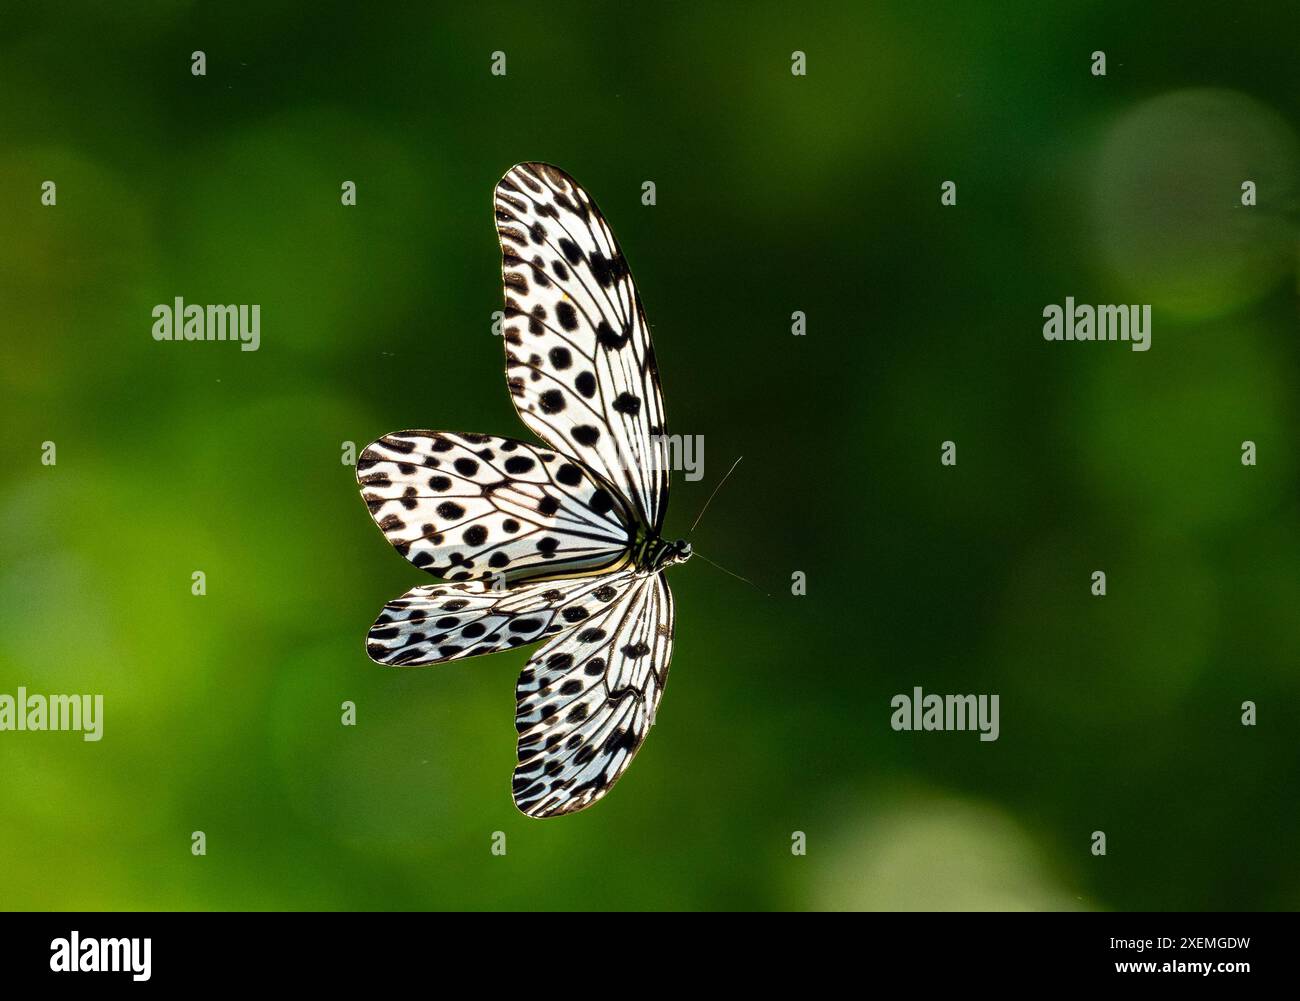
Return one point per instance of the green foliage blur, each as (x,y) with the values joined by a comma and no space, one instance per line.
(775,193)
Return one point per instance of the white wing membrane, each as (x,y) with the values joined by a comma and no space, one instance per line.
(474,506)
(587,699)
(579,361)
(444,622)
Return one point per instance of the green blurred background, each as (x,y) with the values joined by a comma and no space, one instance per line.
(776,193)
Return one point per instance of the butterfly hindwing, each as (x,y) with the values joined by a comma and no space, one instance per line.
(444,622)
(579,361)
(586,700)
(475,506)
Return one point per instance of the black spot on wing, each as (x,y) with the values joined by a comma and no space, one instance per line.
(569,474)
(627,403)
(609,338)
(567,315)
(551,401)
(586,434)
(570,250)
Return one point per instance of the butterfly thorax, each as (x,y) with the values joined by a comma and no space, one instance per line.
(652,553)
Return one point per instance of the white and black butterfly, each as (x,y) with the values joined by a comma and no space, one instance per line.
(558,543)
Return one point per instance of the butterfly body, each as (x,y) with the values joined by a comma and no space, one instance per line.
(652,554)
(561,542)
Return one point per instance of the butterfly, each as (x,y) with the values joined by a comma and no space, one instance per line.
(559,543)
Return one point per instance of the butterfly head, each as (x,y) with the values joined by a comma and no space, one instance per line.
(679,552)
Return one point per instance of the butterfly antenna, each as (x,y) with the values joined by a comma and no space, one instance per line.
(696,552)
(710,500)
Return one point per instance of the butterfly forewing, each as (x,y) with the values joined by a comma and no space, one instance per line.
(443,622)
(472,506)
(579,362)
(586,700)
